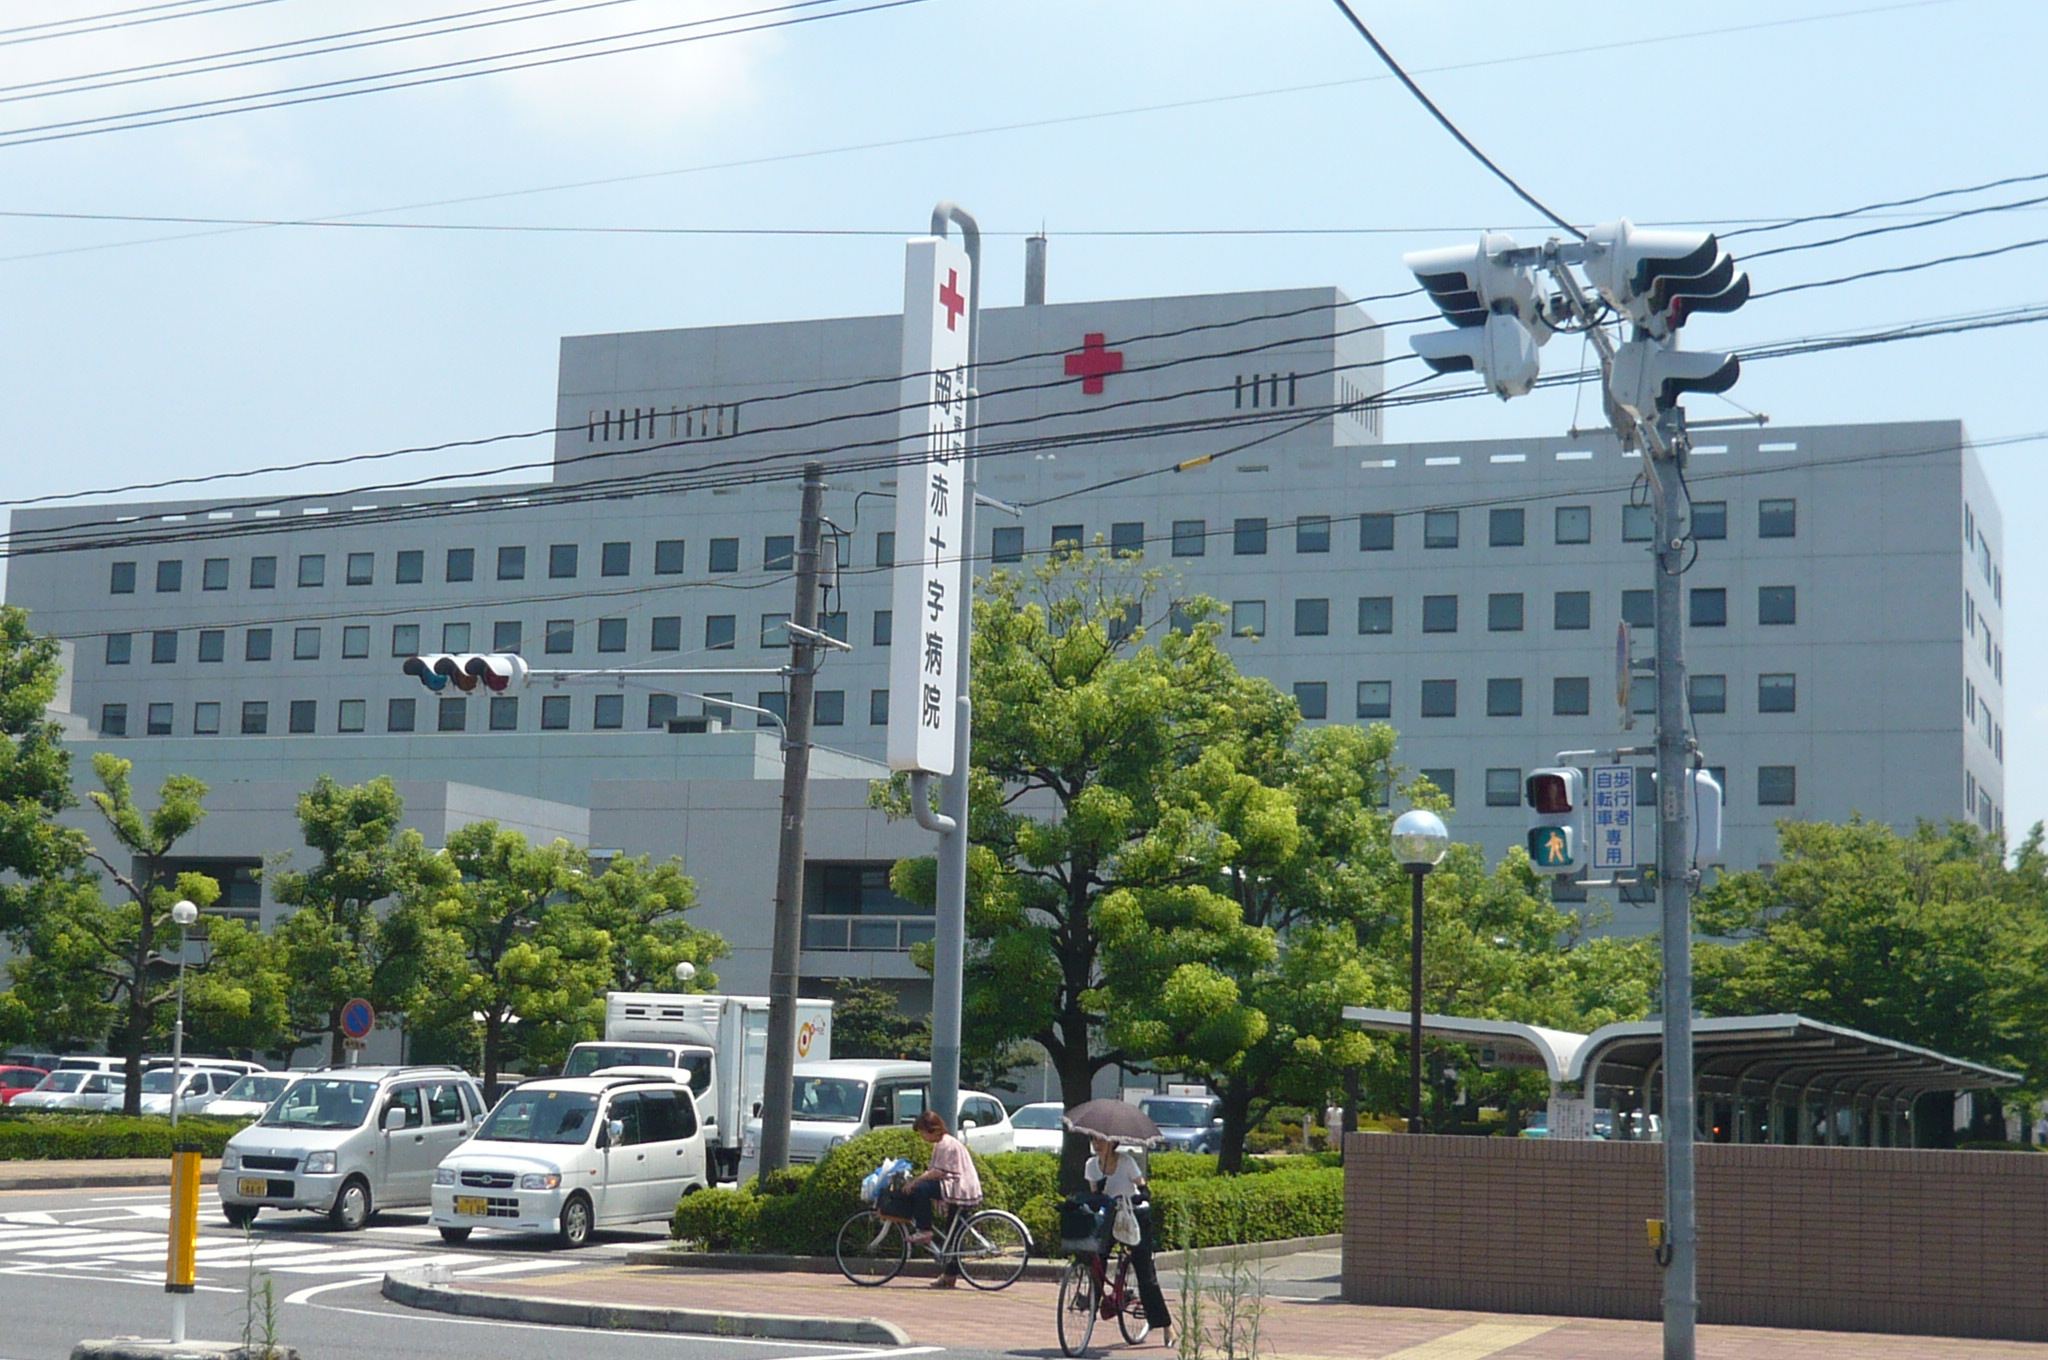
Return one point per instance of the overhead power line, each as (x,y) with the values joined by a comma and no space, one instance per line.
(40,33)
(1941,220)
(1884,204)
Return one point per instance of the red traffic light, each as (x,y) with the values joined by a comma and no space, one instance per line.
(1550,793)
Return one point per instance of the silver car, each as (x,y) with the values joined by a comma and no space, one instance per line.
(199,1089)
(73,1089)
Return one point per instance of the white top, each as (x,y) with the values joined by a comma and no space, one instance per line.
(1122,1183)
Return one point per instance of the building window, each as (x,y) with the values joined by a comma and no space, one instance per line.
(1572,609)
(361,568)
(157,720)
(1440,529)
(562,561)
(461,566)
(401,715)
(263,573)
(512,564)
(1638,523)
(351,715)
(1248,537)
(885,548)
(121,581)
(305,644)
(1375,698)
(777,703)
(1777,604)
(355,641)
(312,570)
(453,715)
(1504,613)
(1439,698)
(1709,607)
(828,707)
(1639,608)
(615,559)
(560,635)
(1574,524)
(1642,694)
(774,630)
(213,644)
(1312,534)
(1505,527)
(256,645)
(113,720)
(1571,696)
(660,708)
(206,719)
(1710,519)
(1777,694)
(1190,537)
(1312,697)
(717,707)
(885,627)
(504,715)
(1248,618)
(506,635)
(1376,614)
(163,647)
(665,635)
(1503,788)
(1439,613)
(719,632)
(611,635)
(668,556)
(1006,543)
(255,717)
(405,639)
(303,717)
(120,646)
(213,574)
(170,577)
(725,554)
(833,624)
(454,637)
(1777,519)
(1067,538)
(1445,780)
(554,713)
(1504,697)
(1127,539)
(778,553)
(1376,533)
(1707,693)
(878,708)
(412,567)
(1777,785)
(1311,618)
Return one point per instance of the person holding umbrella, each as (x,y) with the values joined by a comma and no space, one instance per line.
(1115,1174)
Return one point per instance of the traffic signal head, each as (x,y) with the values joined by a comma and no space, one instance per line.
(437,670)
(1495,308)
(1501,350)
(497,670)
(1659,278)
(1649,376)
(1557,819)
(421,668)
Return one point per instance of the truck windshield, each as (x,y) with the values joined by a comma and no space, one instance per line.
(541,1117)
(1177,1114)
(835,1100)
(323,1103)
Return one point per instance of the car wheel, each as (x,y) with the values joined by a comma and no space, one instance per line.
(455,1237)
(575,1229)
(238,1215)
(351,1211)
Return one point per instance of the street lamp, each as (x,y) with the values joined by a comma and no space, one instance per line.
(685,971)
(183,914)
(1419,843)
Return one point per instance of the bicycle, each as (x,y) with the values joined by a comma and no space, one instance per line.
(1088,1292)
(990,1247)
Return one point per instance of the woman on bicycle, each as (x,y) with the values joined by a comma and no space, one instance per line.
(1115,1175)
(950,1177)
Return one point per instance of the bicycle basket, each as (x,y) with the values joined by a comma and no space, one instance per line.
(894,1201)
(1084,1228)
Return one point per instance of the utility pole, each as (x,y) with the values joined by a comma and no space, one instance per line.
(778,1066)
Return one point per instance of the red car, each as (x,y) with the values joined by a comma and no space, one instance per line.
(15,1080)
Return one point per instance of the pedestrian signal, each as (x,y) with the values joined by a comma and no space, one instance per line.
(1557,819)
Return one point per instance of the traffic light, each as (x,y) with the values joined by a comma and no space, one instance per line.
(1649,376)
(436,669)
(1557,819)
(497,670)
(1495,307)
(1659,278)
(1705,811)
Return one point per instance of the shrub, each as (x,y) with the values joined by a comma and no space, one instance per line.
(1263,1208)
(58,1136)
(805,1222)
(717,1220)
(1293,1161)
(1994,1145)
(787,1181)
(1012,1179)
(1164,1167)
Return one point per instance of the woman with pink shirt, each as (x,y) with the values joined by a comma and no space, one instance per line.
(951,1177)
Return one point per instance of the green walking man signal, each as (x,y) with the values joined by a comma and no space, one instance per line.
(1557,819)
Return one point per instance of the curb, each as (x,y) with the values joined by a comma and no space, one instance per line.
(917,1268)
(97,1180)
(415,1292)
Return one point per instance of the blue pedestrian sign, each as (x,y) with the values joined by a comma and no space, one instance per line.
(1613,804)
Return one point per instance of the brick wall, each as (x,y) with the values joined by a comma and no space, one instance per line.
(1853,1239)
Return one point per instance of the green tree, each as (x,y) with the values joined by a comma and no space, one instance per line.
(640,906)
(35,785)
(868,1023)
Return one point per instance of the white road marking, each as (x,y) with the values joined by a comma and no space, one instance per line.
(30,1216)
(315,1289)
(818,1350)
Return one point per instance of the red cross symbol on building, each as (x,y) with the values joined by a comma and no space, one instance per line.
(1093,362)
(950,299)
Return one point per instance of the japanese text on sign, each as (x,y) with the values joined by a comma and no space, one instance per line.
(1612,801)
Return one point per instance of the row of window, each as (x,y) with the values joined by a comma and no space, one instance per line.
(1776,785)
(1506,612)
(451,713)
(1571,696)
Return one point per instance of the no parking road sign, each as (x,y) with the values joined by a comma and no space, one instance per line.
(358,1018)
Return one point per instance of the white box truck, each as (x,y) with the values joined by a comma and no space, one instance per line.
(720,1041)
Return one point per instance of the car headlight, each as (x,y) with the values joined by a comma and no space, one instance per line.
(835,1142)
(444,1175)
(319,1164)
(541,1180)
(230,1160)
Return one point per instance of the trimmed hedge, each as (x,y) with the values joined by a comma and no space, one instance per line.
(1227,1210)
(717,1220)
(58,1136)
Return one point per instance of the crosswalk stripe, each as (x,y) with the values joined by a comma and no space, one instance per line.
(123,1240)
(55,1238)
(330,1267)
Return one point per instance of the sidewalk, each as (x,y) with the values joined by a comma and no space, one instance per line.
(110,1173)
(1019,1321)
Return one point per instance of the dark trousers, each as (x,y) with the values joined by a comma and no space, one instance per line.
(923,1195)
(1149,1292)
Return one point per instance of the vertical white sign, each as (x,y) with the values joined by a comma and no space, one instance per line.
(1613,798)
(925,661)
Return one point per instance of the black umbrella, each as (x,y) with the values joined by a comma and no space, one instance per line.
(1119,1121)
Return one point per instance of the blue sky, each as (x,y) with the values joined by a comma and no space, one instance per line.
(126,354)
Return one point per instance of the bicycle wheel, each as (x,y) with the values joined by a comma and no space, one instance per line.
(1077,1306)
(992,1249)
(871,1249)
(1130,1312)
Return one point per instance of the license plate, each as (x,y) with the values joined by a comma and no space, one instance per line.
(254,1188)
(471,1204)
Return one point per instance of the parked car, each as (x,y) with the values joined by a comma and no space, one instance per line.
(349,1141)
(196,1092)
(250,1096)
(15,1080)
(241,1067)
(90,1062)
(566,1155)
(1038,1127)
(844,1098)
(73,1089)
(22,1057)
(1188,1123)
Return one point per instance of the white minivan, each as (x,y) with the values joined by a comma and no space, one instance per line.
(566,1155)
(842,1098)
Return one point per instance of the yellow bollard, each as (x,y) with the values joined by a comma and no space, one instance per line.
(181,1265)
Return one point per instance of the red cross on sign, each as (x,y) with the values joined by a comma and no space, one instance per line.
(950,299)
(1093,362)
